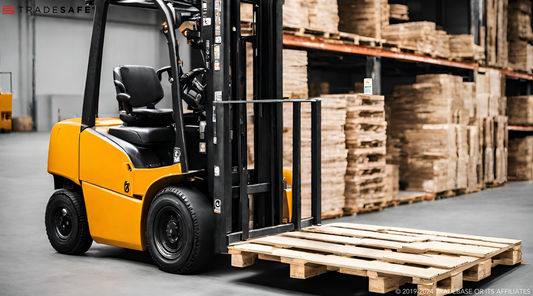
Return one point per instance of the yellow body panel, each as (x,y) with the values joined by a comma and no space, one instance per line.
(63,152)
(114,219)
(63,149)
(104,163)
(6,108)
(146,177)
(116,216)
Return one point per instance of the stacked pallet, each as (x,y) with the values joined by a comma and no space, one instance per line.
(475,165)
(399,12)
(429,134)
(366,142)
(392,182)
(247,13)
(496,33)
(463,47)
(323,15)
(294,87)
(317,15)
(363,17)
(519,36)
(333,156)
(521,159)
(520,110)
(422,37)
(492,123)
(519,21)
(316,89)
(520,55)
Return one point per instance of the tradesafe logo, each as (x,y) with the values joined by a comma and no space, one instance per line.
(11,9)
(8,9)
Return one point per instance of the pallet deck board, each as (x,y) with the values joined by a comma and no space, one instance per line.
(364,234)
(415,242)
(430,260)
(340,261)
(417,231)
(438,262)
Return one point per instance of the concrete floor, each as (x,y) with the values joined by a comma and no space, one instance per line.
(30,266)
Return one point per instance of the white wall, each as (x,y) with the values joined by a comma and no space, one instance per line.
(61,55)
(62,51)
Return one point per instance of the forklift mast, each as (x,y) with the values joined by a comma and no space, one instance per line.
(229,180)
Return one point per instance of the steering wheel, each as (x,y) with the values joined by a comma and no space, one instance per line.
(193,90)
(189,76)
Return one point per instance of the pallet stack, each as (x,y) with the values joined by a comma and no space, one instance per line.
(521,159)
(333,156)
(399,12)
(421,37)
(429,134)
(333,143)
(392,183)
(294,87)
(495,33)
(247,13)
(366,142)
(520,110)
(492,121)
(316,15)
(364,17)
(520,36)
(463,47)
(475,156)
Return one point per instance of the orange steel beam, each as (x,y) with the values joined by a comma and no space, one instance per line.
(510,73)
(520,128)
(319,43)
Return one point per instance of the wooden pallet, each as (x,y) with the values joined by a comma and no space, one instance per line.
(390,257)
(495,184)
(409,197)
(366,208)
(350,38)
(445,194)
(304,32)
(332,214)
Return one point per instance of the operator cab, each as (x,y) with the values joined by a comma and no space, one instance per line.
(148,134)
(138,91)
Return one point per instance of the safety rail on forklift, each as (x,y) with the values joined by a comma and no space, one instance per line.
(276,206)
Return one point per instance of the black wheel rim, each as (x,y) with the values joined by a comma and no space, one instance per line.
(169,233)
(63,222)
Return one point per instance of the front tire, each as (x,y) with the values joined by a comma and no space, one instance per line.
(66,223)
(179,230)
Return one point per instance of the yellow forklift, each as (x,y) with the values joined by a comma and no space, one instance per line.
(176,182)
(6,105)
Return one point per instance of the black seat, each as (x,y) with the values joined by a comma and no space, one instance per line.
(144,136)
(138,90)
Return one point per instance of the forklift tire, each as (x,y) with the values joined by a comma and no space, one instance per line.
(179,230)
(66,223)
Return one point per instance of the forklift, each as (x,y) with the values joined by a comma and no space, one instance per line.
(6,105)
(176,182)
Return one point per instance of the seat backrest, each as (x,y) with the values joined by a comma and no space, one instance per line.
(140,83)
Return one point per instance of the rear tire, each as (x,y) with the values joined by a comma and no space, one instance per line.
(66,223)
(179,230)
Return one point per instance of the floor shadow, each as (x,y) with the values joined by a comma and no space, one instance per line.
(103,251)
